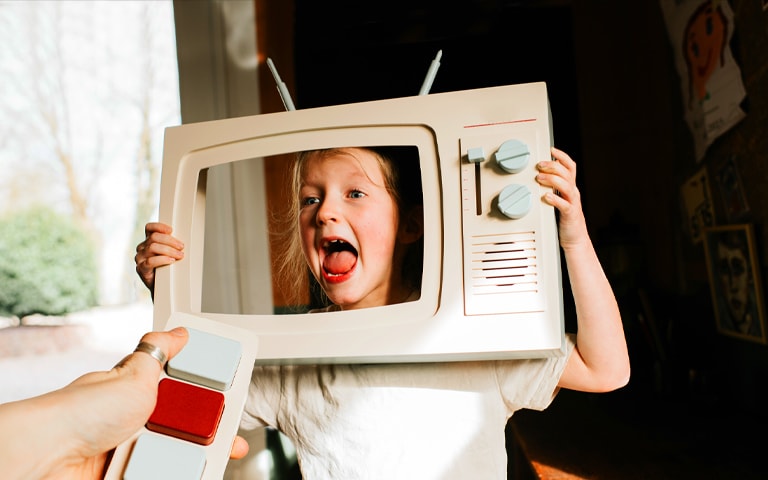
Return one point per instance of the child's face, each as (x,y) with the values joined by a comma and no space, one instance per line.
(348,223)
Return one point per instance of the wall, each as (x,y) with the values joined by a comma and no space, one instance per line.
(637,155)
(742,366)
(748,142)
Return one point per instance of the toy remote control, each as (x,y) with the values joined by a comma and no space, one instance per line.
(201,396)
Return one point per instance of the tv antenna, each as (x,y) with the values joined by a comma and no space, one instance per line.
(281,88)
(427,85)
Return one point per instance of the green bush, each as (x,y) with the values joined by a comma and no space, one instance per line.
(47,265)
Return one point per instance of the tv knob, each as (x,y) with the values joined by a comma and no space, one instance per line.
(514,201)
(512,156)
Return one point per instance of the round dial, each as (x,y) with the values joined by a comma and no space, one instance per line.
(512,156)
(514,201)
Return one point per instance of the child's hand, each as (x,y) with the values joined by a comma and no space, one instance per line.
(600,362)
(158,249)
(560,174)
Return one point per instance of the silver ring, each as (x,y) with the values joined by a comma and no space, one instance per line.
(153,352)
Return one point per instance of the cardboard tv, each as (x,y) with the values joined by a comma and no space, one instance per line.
(491,277)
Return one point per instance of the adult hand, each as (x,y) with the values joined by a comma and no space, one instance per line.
(68,433)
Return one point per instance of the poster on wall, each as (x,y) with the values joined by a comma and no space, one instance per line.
(700,32)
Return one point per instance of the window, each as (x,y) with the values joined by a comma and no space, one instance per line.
(87,90)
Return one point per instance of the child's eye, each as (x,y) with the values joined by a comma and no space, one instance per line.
(356,194)
(306,201)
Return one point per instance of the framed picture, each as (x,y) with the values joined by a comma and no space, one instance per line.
(734,200)
(734,277)
(697,203)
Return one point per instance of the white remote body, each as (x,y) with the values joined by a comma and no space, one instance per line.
(191,438)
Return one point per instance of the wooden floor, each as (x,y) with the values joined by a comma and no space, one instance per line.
(583,437)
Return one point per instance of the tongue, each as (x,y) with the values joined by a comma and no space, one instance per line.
(339,262)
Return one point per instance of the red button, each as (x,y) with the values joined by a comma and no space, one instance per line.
(186,411)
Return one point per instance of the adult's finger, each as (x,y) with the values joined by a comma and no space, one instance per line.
(155,349)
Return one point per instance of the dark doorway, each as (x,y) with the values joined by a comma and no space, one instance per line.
(348,52)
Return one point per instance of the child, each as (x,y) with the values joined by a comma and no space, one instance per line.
(430,420)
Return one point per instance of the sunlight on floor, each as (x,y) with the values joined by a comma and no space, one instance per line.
(92,340)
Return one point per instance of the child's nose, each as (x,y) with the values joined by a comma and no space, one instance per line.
(328,212)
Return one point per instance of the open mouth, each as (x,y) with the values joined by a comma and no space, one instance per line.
(340,258)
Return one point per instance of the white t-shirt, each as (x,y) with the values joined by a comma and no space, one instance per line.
(400,421)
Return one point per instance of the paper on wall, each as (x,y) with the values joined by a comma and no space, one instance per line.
(700,32)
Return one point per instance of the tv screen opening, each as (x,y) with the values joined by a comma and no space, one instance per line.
(486,269)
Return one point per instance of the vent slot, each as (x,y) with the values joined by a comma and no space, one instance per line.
(504,263)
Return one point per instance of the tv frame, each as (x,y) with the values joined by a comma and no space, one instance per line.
(457,317)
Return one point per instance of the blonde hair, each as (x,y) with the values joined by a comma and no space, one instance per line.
(404,187)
